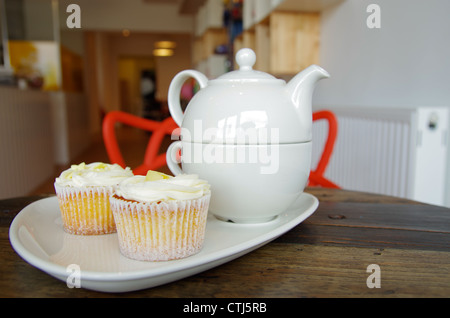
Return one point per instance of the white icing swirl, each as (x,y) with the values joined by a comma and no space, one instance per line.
(181,187)
(93,174)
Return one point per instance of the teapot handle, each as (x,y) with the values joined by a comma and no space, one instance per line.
(171,158)
(173,98)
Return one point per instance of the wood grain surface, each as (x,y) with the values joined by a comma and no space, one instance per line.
(325,256)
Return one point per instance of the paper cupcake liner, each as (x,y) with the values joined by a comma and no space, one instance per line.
(86,211)
(160,231)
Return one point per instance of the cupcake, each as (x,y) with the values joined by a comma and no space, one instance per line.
(160,217)
(83,193)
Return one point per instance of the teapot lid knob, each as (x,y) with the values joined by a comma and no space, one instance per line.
(246,58)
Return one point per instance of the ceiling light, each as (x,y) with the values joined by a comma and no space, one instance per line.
(163,52)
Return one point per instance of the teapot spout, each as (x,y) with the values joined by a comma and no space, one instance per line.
(301,88)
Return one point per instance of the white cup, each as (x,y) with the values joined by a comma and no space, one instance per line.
(249,183)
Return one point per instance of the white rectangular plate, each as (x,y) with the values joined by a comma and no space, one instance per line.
(37,235)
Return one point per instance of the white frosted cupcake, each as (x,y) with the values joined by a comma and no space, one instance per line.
(83,193)
(159,217)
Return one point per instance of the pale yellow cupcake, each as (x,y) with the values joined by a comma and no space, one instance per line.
(159,217)
(83,193)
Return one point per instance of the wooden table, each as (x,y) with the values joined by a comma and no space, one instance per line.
(352,243)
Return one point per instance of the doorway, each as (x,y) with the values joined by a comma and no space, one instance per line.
(137,86)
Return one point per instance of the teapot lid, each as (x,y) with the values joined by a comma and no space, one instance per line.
(246,58)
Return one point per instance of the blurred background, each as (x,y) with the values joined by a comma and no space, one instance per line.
(64,67)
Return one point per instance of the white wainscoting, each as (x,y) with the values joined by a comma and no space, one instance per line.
(26,145)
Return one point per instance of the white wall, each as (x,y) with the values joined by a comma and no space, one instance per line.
(404,63)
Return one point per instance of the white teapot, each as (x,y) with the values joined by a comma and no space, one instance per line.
(249,134)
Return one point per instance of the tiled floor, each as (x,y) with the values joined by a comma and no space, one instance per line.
(132,143)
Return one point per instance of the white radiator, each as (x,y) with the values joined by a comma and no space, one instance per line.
(393,151)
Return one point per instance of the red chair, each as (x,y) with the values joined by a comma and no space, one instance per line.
(152,160)
(316,177)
